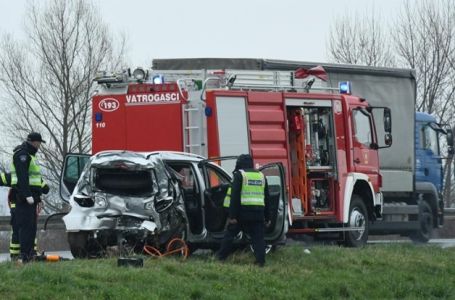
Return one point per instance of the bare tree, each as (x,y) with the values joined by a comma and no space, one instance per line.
(48,78)
(359,40)
(424,36)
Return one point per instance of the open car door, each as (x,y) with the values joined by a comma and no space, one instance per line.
(274,173)
(73,166)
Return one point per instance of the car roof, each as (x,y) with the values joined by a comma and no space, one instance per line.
(178,156)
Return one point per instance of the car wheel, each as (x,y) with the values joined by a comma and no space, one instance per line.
(78,242)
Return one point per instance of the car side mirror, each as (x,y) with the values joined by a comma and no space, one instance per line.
(450,149)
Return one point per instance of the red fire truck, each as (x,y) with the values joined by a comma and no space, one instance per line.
(326,138)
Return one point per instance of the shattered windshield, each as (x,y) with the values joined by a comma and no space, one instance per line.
(124,182)
(125,174)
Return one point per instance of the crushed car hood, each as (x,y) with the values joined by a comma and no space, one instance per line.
(118,184)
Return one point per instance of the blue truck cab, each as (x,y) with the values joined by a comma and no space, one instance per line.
(428,164)
(428,156)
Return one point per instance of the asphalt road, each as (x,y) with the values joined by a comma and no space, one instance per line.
(443,243)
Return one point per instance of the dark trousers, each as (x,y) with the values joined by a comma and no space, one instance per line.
(14,245)
(26,224)
(254,229)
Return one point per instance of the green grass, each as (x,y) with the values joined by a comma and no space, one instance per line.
(374,272)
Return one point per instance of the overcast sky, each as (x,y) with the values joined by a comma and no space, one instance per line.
(279,29)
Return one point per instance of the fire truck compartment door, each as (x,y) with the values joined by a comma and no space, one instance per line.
(275,176)
(73,166)
(232,128)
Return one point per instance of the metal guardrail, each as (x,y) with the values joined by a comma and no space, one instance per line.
(56,222)
(449,213)
(53,223)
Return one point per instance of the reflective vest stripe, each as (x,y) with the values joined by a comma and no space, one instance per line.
(4,179)
(14,249)
(227,199)
(252,193)
(34,173)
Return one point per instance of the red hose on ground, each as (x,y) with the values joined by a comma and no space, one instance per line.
(175,246)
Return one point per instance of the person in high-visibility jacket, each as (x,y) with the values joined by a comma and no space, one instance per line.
(26,183)
(247,200)
(14,246)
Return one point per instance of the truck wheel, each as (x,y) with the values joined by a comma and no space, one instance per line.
(423,234)
(78,242)
(358,217)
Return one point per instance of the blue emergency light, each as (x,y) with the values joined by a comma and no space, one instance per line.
(344,87)
(158,79)
(208,111)
(98,117)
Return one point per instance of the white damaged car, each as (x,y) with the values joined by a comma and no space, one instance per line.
(131,199)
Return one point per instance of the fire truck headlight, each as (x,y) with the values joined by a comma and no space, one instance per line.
(139,74)
(149,205)
(158,79)
(100,201)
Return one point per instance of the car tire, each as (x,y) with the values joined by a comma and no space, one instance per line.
(78,242)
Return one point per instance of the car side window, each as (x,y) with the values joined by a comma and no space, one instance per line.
(186,176)
(215,177)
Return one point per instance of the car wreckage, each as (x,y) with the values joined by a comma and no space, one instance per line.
(130,200)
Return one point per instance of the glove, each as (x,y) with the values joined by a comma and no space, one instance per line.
(45,189)
(232,221)
(30,200)
(39,207)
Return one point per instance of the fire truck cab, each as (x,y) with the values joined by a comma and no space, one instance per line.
(326,139)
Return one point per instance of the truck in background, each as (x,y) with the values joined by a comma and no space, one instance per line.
(411,169)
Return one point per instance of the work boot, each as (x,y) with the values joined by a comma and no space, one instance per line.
(14,257)
(259,264)
(18,262)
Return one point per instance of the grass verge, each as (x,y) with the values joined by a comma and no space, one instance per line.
(373,272)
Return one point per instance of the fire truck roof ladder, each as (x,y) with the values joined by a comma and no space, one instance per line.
(272,80)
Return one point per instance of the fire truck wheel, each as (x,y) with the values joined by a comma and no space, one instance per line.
(78,242)
(423,234)
(358,217)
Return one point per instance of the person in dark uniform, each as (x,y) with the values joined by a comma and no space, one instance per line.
(14,247)
(248,209)
(26,183)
